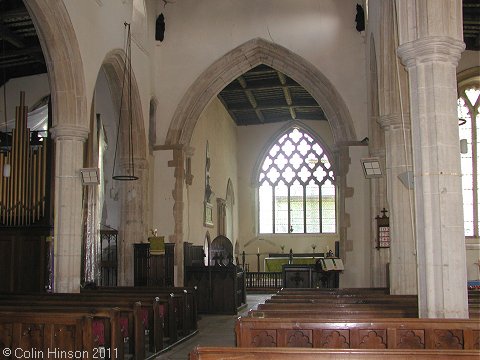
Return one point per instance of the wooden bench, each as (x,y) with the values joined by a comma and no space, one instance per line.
(185,301)
(231,353)
(139,323)
(340,297)
(361,291)
(330,314)
(407,302)
(52,334)
(453,334)
(344,310)
(170,306)
(342,300)
(115,333)
(404,301)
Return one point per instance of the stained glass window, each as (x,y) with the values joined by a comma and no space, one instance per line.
(297,191)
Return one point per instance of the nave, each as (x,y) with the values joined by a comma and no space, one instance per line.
(213,330)
(384,96)
(294,323)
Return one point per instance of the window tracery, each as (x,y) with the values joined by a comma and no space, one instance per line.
(297,192)
(468,106)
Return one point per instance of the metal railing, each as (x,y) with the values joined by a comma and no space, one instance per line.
(266,280)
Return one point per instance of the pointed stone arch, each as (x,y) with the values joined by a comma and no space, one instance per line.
(114,65)
(133,213)
(64,62)
(240,60)
(70,129)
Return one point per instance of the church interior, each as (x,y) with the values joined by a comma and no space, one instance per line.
(303,173)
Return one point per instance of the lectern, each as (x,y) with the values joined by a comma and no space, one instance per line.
(151,269)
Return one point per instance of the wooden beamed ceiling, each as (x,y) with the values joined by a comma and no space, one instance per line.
(471,24)
(20,51)
(264,95)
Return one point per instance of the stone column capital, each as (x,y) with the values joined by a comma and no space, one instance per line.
(392,121)
(431,49)
(69,132)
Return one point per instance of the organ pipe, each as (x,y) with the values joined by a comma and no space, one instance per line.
(23,193)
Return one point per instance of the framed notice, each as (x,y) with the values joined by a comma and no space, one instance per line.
(208,214)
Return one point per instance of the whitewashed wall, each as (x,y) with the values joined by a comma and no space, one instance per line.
(35,87)
(109,115)
(217,127)
(200,32)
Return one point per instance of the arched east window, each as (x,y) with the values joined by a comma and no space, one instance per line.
(296,191)
(468,112)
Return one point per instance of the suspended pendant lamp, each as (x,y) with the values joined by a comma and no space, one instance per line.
(126,172)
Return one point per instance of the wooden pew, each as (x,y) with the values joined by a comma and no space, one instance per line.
(473,295)
(343,310)
(397,301)
(134,316)
(187,305)
(330,314)
(105,323)
(321,303)
(172,306)
(339,291)
(345,297)
(113,329)
(41,334)
(231,353)
(454,334)
(407,302)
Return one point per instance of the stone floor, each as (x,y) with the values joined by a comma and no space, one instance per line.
(213,330)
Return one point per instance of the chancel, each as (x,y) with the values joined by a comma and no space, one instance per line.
(183,173)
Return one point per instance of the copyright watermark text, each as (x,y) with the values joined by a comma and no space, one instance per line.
(56,353)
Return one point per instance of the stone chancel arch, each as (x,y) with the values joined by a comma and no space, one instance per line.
(232,65)
(240,60)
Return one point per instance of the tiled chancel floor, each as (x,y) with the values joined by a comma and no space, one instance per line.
(213,330)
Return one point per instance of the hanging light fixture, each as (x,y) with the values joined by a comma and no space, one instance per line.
(5,136)
(127,173)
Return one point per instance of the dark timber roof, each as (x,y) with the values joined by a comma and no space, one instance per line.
(20,51)
(264,95)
